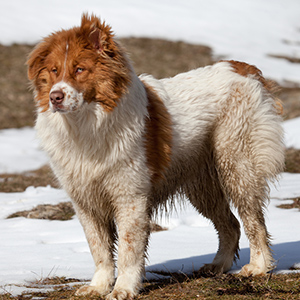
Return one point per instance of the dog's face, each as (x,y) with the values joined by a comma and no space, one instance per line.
(77,66)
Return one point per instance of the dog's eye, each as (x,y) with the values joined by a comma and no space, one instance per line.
(54,70)
(79,70)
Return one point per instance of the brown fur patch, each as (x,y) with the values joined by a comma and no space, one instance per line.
(91,47)
(245,70)
(158,136)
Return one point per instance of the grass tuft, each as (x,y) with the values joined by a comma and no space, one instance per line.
(63,212)
(295,204)
(292,160)
(13,183)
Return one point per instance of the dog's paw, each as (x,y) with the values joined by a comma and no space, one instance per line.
(92,291)
(252,270)
(118,294)
(210,270)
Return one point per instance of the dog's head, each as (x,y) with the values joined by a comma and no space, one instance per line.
(83,64)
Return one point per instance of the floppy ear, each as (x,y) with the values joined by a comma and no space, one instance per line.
(36,60)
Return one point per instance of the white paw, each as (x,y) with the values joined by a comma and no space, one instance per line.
(252,270)
(92,290)
(117,294)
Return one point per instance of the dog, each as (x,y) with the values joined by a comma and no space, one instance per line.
(123,145)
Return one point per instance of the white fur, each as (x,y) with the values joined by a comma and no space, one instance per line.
(193,100)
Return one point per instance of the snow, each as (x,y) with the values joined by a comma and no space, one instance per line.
(292,133)
(21,150)
(246,30)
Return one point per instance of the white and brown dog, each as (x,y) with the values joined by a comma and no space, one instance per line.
(122,145)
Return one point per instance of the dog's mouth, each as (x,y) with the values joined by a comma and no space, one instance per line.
(63,109)
(58,108)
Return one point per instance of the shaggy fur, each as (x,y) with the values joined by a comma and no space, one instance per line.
(121,146)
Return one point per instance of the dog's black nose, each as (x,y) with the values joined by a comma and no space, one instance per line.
(56,97)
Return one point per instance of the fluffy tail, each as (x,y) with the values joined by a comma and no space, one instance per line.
(270,86)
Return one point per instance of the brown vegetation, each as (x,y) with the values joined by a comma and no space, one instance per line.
(180,286)
(12,183)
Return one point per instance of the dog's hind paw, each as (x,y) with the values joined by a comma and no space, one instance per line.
(210,270)
(252,270)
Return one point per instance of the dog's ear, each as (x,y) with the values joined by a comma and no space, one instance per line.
(95,38)
(99,34)
(36,60)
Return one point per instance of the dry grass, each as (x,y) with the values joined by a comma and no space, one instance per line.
(291,59)
(163,58)
(290,98)
(16,105)
(294,204)
(228,287)
(292,160)
(182,287)
(62,211)
(12,183)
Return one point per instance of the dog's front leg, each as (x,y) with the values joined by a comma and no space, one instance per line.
(133,223)
(100,234)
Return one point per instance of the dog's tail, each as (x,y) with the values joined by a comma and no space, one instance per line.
(250,126)
(270,86)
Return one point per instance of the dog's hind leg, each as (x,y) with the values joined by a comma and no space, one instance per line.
(251,213)
(206,196)
(248,197)
(248,153)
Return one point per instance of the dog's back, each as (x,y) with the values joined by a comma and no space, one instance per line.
(218,110)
